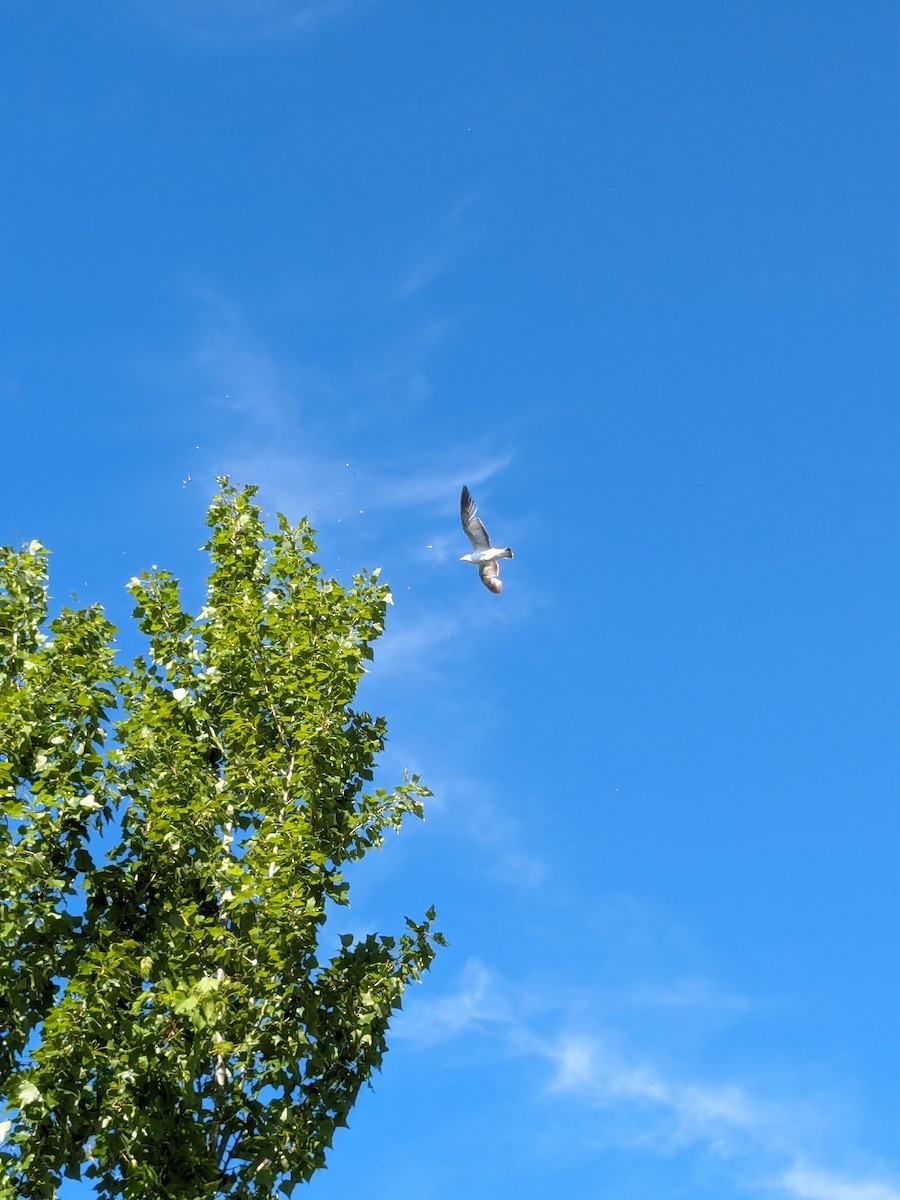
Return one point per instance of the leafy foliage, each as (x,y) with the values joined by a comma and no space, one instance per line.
(169,1023)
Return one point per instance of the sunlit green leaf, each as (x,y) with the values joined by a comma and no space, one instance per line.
(169,1004)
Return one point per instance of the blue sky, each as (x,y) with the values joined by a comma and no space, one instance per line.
(630,270)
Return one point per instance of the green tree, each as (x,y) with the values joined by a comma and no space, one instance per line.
(173,1022)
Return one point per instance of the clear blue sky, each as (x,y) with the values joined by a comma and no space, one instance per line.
(629,268)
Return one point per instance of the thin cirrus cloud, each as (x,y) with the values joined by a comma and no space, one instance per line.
(415,644)
(809,1183)
(695,994)
(285,430)
(490,831)
(653,1107)
(401,368)
(429,268)
(451,240)
(434,485)
(767,1146)
(292,445)
(224,22)
(236,370)
(317,481)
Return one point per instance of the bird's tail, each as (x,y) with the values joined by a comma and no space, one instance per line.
(507,553)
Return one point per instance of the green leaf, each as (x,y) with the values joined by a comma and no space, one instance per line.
(170,1001)
(27,1094)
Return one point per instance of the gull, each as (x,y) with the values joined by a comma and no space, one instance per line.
(483,555)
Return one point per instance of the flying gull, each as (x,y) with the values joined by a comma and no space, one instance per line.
(483,555)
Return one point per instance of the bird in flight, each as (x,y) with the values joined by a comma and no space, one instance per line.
(483,555)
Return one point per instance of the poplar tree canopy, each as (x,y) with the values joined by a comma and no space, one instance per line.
(178,1015)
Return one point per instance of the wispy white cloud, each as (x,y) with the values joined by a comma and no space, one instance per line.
(239,373)
(429,268)
(450,239)
(489,825)
(401,365)
(415,644)
(223,22)
(810,1183)
(696,994)
(641,1103)
(286,440)
(656,1109)
(268,432)
(474,1004)
(438,484)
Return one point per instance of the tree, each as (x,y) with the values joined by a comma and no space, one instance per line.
(177,1018)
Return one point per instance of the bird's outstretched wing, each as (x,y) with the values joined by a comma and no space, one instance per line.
(474,529)
(490,576)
